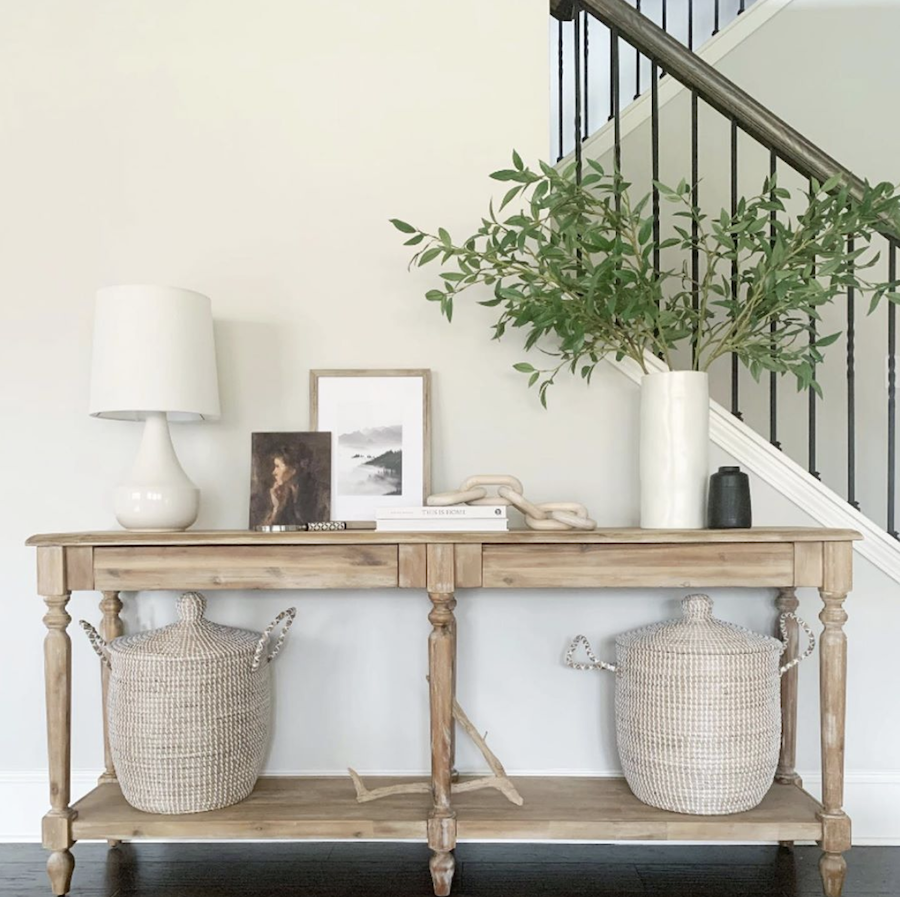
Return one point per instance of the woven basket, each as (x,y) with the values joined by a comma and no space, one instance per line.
(698,710)
(189,710)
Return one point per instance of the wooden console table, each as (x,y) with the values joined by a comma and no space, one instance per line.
(593,809)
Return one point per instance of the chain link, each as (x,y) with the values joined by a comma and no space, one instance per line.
(551,515)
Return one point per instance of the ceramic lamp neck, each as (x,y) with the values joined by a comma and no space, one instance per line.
(159,495)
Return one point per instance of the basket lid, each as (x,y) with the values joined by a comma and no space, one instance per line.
(193,637)
(699,632)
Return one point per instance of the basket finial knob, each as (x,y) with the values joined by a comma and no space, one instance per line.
(191,606)
(697,607)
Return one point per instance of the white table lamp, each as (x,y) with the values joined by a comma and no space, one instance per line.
(154,360)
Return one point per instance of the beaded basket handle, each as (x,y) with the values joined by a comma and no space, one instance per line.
(97,641)
(288,615)
(810,639)
(595,664)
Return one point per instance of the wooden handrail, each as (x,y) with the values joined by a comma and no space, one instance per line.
(718,91)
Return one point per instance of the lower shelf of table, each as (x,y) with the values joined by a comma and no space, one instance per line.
(567,808)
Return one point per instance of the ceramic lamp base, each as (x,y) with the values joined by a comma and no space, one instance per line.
(158,496)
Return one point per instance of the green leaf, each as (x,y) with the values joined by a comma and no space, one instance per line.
(402,226)
(517,160)
(523,367)
(429,255)
(823,341)
(510,195)
(414,241)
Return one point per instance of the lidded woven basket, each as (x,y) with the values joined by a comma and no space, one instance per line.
(189,709)
(698,709)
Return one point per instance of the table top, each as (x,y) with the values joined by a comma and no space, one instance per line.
(632,536)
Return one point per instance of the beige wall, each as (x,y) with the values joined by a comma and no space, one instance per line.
(255,153)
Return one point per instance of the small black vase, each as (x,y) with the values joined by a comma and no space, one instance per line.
(729,499)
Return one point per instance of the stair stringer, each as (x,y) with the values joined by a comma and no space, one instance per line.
(756,454)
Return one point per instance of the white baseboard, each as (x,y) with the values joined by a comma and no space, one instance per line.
(872,799)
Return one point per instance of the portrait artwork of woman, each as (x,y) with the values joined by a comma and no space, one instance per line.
(291,480)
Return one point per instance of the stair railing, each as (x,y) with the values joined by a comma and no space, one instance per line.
(785,145)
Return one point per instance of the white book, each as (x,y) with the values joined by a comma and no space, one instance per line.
(442,525)
(449,512)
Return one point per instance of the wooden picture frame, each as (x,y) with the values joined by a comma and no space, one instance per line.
(355,495)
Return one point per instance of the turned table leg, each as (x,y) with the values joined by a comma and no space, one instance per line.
(787,602)
(57,824)
(786,774)
(111,627)
(442,819)
(833,688)
(454,775)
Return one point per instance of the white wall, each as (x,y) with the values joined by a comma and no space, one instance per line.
(256,156)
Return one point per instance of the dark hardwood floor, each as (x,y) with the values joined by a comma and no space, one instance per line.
(482,870)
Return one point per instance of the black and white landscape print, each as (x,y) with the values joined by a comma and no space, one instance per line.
(370,461)
(378,421)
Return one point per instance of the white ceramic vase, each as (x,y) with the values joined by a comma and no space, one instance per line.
(674,453)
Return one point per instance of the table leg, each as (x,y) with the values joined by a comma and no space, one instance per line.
(833,695)
(454,774)
(111,627)
(442,819)
(57,824)
(786,774)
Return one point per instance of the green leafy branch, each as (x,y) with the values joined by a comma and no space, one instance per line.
(573,267)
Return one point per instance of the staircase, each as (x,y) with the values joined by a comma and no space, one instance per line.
(628,77)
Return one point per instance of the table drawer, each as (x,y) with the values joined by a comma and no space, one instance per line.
(593,566)
(239,567)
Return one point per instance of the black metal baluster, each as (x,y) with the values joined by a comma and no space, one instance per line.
(690,24)
(811,401)
(612,76)
(715,17)
(773,376)
(654,138)
(587,104)
(851,387)
(741,7)
(892,395)
(637,65)
(735,367)
(617,119)
(695,230)
(576,36)
(664,24)
(560,92)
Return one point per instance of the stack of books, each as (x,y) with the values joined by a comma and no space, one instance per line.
(450,519)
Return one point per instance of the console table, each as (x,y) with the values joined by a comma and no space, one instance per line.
(593,809)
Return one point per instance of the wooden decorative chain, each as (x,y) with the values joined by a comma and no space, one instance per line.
(550,515)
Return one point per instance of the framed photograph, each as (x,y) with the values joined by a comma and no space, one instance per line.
(290,481)
(380,438)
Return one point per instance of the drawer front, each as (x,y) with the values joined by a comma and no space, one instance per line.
(593,566)
(246,567)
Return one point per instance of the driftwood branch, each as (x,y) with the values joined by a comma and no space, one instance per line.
(499,781)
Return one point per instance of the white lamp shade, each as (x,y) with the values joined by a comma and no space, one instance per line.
(154,350)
